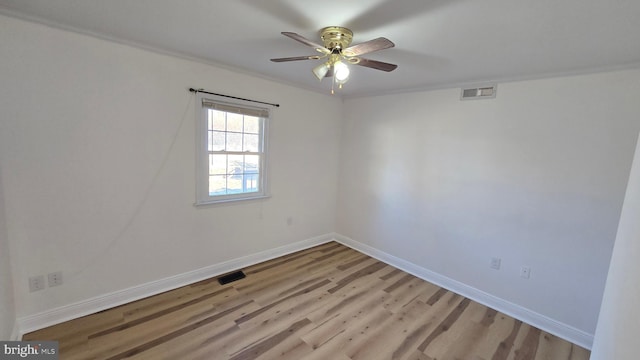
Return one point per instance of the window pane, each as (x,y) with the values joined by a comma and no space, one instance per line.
(216,141)
(234,142)
(251,142)
(217,164)
(234,184)
(234,122)
(217,118)
(251,124)
(235,165)
(217,185)
(251,164)
(251,182)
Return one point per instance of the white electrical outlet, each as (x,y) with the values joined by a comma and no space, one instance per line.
(495,263)
(55,278)
(36,283)
(525,272)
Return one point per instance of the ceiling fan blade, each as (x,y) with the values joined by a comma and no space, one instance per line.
(296,58)
(368,46)
(304,40)
(378,65)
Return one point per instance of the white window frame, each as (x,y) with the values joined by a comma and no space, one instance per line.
(202,152)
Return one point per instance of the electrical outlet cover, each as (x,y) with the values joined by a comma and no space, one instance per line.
(36,283)
(55,278)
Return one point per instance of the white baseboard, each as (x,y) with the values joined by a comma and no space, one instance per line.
(540,321)
(73,311)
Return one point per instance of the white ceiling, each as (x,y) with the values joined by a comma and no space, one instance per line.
(439,43)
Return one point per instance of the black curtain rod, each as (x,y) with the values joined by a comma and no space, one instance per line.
(232,97)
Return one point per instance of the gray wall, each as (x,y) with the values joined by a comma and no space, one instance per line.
(618,324)
(535,177)
(7,311)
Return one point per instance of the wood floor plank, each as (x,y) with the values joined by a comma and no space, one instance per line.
(139,339)
(277,320)
(254,351)
(463,338)
(445,324)
(346,330)
(529,345)
(376,344)
(551,346)
(159,313)
(404,292)
(198,342)
(368,270)
(326,302)
(350,316)
(495,328)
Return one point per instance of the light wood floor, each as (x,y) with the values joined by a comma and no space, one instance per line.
(328,303)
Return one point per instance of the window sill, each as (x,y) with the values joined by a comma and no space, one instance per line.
(228,201)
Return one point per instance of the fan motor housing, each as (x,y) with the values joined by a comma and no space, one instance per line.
(336,37)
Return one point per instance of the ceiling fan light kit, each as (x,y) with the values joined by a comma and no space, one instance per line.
(341,72)
(321,70)
(338,53)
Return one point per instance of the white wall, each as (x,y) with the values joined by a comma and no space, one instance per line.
(97,148)
(7,309)
(535,177)
(618,325)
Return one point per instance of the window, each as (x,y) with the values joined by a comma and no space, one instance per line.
(231,150)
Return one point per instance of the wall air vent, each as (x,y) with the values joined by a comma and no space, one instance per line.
(484,92)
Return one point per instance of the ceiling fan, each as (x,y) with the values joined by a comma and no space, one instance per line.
(338,53)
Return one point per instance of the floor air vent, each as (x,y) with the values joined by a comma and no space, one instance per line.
(234,276)
(485,92)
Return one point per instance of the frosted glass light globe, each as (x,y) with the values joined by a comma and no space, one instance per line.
(341,72)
